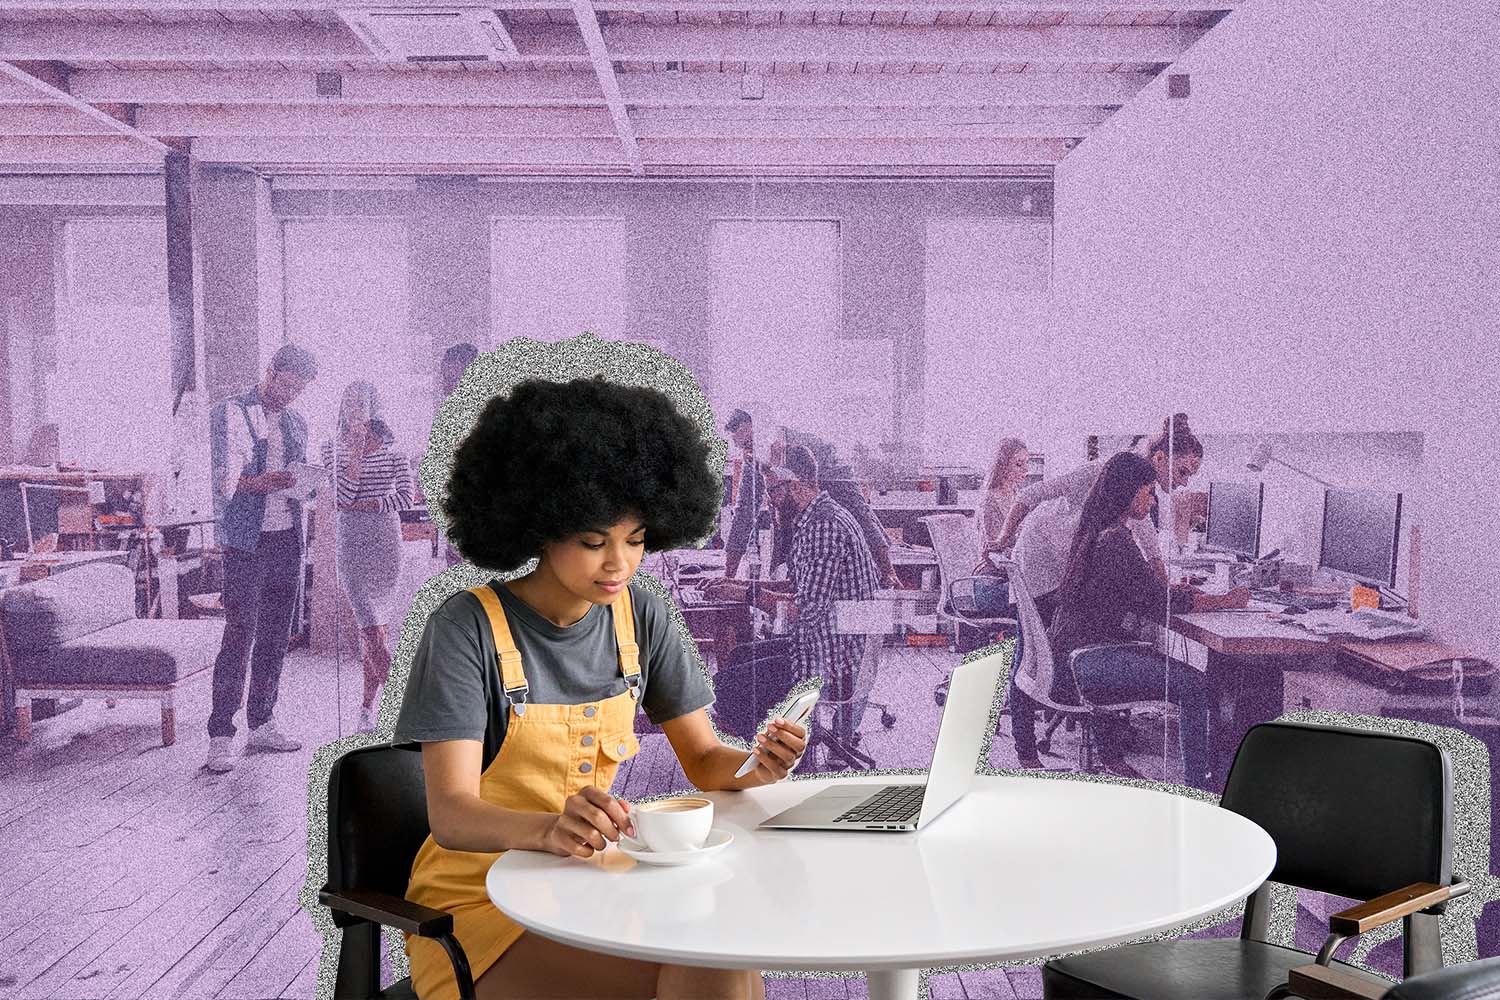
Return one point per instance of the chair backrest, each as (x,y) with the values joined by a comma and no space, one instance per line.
(377,819)
(1469,981)
(73,603)
(1034,672)
(1353,813)
(955,540)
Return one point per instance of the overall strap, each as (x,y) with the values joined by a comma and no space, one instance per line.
(512,676)
(630,653)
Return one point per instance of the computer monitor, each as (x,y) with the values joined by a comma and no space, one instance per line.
(1234,518)
(1361,535)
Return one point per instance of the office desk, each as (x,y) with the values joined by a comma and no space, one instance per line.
(1016,870)
(1248,656)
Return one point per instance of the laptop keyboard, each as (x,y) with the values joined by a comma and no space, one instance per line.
(892,804)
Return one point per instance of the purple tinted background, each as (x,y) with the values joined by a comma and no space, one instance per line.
(1305,245)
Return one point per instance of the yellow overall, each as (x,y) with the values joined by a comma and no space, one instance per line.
(550,752)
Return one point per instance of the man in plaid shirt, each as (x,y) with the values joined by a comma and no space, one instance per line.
(829,561)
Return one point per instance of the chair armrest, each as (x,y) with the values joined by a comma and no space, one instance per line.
(1317,982)
(390,911)
(1392,906)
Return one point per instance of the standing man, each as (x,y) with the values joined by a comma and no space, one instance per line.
(256,436)
(837,479)
(829,561)
(744,526)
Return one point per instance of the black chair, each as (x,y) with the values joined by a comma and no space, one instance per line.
(1470,981)
(377,821)
(1353,813)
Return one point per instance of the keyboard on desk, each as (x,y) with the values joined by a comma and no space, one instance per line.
(892,804)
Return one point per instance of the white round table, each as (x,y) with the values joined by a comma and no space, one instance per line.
(1019,868)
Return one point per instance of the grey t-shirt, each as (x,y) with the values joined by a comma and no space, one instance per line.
(455,690)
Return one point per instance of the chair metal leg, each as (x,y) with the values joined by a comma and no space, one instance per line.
(1421,944)
(358,975)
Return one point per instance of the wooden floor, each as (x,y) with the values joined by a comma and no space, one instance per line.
(127,870)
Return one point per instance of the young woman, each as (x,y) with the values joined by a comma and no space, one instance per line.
(374,483)
(1108,592)
(1175,456)
(1006,477)
(523,694)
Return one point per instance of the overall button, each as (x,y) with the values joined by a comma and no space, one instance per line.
(585,767)
(588,741)
(622,748)
(588,713)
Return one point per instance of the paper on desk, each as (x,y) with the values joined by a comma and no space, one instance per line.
(1360,624)
(308,478)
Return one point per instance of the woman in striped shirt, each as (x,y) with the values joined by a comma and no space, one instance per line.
(374,483)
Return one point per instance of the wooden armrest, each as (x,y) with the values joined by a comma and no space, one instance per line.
(391,911)
(1318,982)
(1392,906)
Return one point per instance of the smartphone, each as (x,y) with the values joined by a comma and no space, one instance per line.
(797,714)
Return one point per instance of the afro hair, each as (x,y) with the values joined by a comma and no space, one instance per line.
(552,459)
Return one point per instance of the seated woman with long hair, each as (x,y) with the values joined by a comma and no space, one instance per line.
(1109,592)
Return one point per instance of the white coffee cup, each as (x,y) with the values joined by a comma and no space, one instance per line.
(667,825)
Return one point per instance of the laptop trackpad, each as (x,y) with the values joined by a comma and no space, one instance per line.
(825,806)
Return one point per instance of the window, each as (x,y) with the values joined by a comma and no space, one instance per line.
(777,313)
(110,393)
(986,324)
(347,300)
(554,278)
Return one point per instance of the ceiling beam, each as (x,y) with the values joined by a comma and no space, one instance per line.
(286,43)
(290,87)
(51,83)
(375,152)
(604,71)
(886,90)
(849,44)
(663,90)
(728,123)
(75,151)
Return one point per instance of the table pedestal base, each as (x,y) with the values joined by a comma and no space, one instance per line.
(902,984)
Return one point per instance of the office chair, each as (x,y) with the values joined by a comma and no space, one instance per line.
(1357,814)
(955,539)
(377,821)
(1034,675)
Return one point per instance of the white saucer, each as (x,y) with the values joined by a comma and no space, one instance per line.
(718,839)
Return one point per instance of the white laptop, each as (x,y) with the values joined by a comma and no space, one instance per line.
(850,806)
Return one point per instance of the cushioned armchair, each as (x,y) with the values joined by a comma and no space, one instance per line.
(1357,814)
(75,635)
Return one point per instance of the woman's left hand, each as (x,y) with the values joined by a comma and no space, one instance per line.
(778,750)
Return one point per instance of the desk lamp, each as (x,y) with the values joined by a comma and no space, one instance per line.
(1264,453)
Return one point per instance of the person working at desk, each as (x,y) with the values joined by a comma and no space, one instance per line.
(1175,456)
(829,561)
(256,436)
(1041,524)
(1108,592)
(523,694)
(374,485)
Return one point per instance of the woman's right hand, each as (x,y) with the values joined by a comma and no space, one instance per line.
(588,821)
